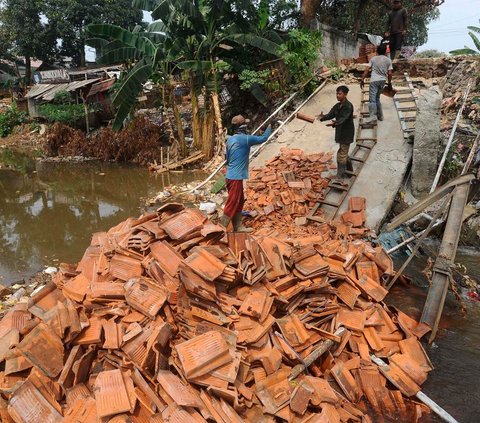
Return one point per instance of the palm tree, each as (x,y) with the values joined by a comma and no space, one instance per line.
(476,41)
(193,36)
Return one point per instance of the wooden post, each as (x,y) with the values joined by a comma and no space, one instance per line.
(442,273)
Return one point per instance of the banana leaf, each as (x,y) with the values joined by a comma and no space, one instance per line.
(126,96)
(119,55)
(255,41)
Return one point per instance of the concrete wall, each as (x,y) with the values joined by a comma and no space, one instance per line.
(336,45)
(427,141)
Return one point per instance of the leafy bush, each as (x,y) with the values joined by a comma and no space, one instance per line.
(251,77)
(64,113)
(337,72)
(62,109)
(300,52)
(11,118)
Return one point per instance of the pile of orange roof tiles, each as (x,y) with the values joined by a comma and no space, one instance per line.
(283,193)
(167,318)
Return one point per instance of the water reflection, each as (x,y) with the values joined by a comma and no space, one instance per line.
(49,211)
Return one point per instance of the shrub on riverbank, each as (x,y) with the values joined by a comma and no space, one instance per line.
(140,142)
(11,118)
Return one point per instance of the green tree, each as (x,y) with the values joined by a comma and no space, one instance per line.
(476,41)
(196,37)
(22,32)
(370,15)
(70,18)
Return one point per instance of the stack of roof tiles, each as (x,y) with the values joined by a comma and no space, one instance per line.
(167,318)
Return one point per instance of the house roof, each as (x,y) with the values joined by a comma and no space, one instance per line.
(47,91)
(101,86)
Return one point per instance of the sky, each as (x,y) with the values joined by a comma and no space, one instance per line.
(450,31)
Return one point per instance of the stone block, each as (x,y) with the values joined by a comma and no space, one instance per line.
(426,148)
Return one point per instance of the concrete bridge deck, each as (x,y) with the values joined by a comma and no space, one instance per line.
(382,174)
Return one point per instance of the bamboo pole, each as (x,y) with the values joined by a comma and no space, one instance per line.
(466,167)
(420,241)
(450,139)
(442,271)
(422,397)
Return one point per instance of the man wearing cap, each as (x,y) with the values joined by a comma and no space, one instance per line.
(237,155)
(396,28)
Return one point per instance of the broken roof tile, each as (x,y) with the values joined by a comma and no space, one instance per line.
(44,349)
(166,256)
(125,268)
(205,264)
(182,394)
(184,223)
(111,395)
(203,354)
(145,296)
(28,405)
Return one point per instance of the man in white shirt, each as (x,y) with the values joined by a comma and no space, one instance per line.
(381,68)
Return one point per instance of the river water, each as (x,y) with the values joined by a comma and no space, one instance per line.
(48,212)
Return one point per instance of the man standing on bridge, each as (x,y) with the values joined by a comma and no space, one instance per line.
(396,28)
(342,112)
(382,71)
(237,155)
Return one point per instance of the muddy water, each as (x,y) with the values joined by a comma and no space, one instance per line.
(48,211)
(455,353)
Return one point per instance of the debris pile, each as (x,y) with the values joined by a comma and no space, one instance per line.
(139,142)
(282,193)
(167,318)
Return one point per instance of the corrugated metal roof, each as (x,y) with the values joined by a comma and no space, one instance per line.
(38,89)
(50,94)
(101,86)
(47,91)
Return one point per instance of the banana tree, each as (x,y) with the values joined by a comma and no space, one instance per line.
(476,41)
(193,36)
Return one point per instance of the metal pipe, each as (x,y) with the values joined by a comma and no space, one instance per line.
(421,396)
(411,239)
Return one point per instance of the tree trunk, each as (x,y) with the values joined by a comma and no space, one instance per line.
(196,124)
(180,131)
(362,4)
(308,11)
(218,115)
(28,70)
(81,53)
(208,133)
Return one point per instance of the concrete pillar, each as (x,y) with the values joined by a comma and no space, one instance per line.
(426,147)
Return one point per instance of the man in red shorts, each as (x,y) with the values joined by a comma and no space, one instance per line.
(237,155)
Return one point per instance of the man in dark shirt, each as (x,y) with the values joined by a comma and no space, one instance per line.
(342,112)
(396,28)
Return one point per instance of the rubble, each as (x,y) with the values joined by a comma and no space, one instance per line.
(169,318)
